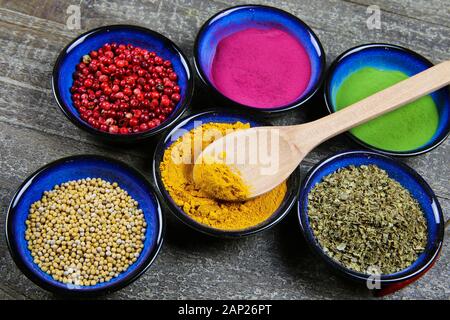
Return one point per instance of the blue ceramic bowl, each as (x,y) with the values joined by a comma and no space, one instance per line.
(387,57)
(220,116)
(71,55)
(238,18)
(410,180)
(74,168)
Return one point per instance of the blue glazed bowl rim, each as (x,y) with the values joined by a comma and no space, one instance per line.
(329,104)
(183,217)
(132,136)
(244,107)
(351,274)
(76,292)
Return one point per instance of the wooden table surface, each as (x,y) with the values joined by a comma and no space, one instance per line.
(275,264)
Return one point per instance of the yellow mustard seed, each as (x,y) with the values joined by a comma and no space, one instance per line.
(71,236)
(176,173)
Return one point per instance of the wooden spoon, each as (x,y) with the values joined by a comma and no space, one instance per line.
(266,156)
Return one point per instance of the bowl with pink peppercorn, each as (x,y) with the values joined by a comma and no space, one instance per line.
(122,83)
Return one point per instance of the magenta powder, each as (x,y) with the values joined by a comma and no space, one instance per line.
(263,68)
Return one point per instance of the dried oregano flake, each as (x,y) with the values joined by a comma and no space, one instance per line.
(364,219)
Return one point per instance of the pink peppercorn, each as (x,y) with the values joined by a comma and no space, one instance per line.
(121,89)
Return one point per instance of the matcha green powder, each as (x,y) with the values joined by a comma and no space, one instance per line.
(404,129)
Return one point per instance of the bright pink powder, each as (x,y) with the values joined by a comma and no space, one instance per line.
(263,68)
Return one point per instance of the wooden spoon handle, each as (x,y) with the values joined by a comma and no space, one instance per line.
(381,102)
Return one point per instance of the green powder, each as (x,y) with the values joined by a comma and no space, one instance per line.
(403,129)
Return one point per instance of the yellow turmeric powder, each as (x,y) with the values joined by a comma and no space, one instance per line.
(219,179)
(176,171)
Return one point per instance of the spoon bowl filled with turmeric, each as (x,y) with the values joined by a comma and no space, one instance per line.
(359,72)
(196,205)
(366,214)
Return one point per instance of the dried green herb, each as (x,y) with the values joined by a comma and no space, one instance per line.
(363,219)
